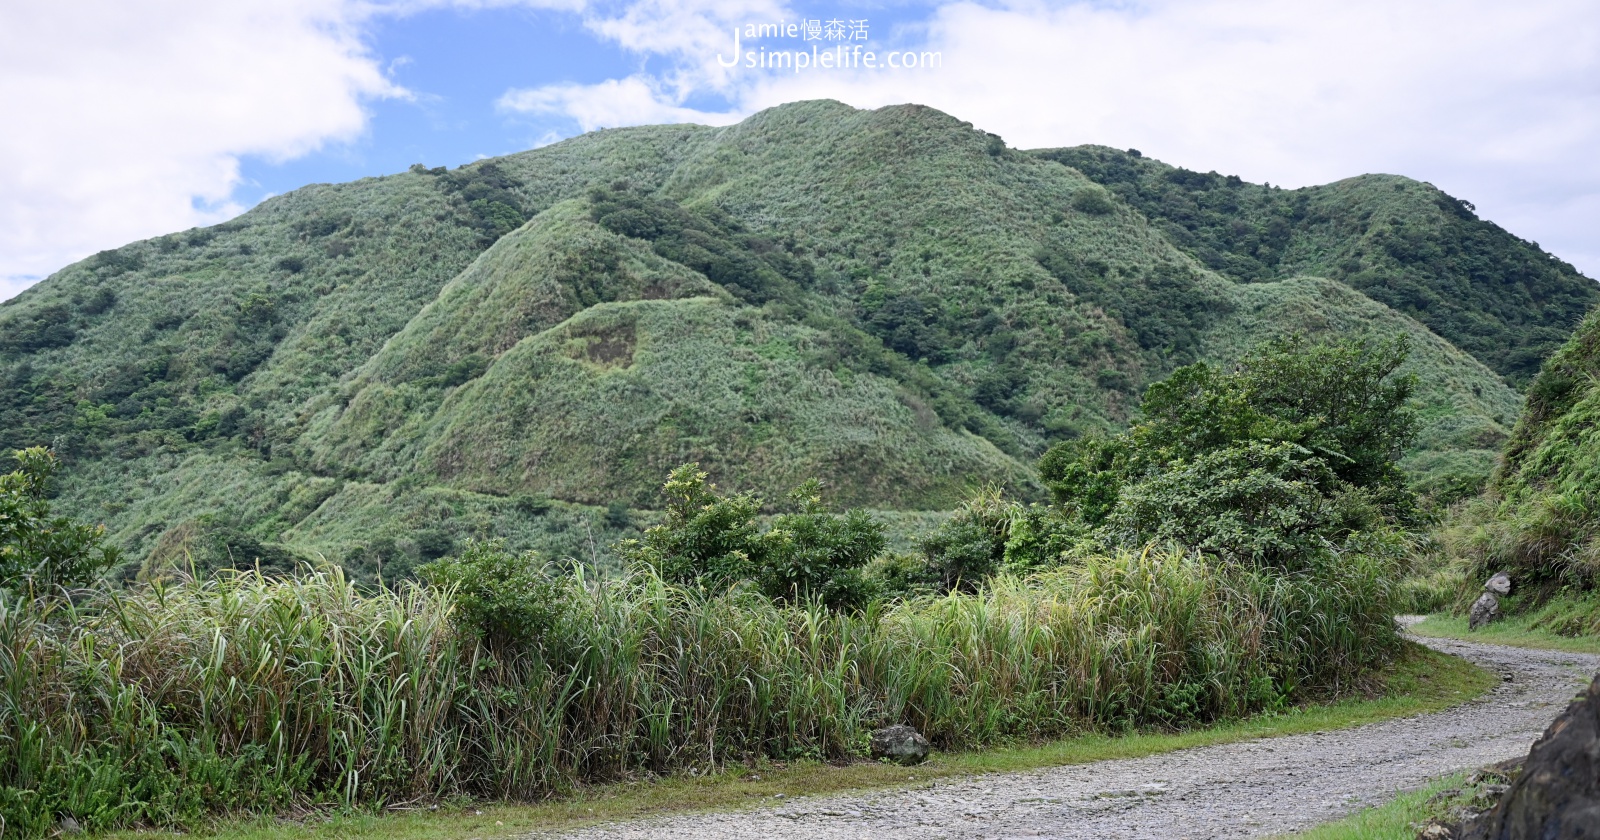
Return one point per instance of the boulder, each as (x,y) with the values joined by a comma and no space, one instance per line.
(1484,610)
(1557,795)
(1500,584)
(900,744)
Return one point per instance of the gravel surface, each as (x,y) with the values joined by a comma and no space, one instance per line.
(1248,789)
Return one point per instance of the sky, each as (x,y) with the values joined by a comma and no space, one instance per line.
(126,119)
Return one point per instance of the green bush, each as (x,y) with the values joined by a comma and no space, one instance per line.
(1092,200)
(711,542)
(41,554)
(706,540)
(967,549)
(511,601)
(814,554)
(1259,503)
(1272,463)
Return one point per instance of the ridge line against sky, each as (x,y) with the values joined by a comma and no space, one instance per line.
(134,119)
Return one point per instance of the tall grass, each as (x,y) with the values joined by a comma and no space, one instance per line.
(161,705)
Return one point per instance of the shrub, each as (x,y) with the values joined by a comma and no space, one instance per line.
(705,541)
(709,541)
(970,547)
(508,600)
(1271,463)
(814,554)
(1258,503)
(41,554)
(1092,200)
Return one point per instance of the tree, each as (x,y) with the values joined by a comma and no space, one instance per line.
(39,552)
(1341,401)
(713,541)
(1292,451)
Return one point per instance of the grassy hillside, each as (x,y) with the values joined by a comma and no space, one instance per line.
(1540,518)
(1404,244)
(521,347)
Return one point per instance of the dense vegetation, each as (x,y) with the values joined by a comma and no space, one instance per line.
(891,302)
(1540,516)
(732,639)
(160,706)
(42,555)
(1407,245)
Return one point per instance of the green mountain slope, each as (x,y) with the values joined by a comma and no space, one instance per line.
(1540,519)
(889,300)
(1402,243)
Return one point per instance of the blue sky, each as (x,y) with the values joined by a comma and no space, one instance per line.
(134,118)
(457,63)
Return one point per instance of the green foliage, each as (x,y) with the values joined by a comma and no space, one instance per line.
(886,300)
(812,553)
(1540,516)
(40,553)
(753,268)
(508,600)
(1342,402)
(969,548)
(1404,244)
(710,542)
(487,194)
(706,540)
(1256,502)
(1092,201)
(1085,476)
(1272,463)
(242,694)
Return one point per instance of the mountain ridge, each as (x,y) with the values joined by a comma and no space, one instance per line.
(890,300)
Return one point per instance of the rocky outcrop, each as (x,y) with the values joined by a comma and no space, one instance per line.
(1557,795)
(900,744)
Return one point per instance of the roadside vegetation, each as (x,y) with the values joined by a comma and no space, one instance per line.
(1538,519)
(1418,681)
(730,638)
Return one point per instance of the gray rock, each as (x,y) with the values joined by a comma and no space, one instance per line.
(1557,795)
(70,825)
(1500,584)
(900,744)
(1484,610)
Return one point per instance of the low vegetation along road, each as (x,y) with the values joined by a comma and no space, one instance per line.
(1247,789)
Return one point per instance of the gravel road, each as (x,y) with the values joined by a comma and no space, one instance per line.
(1249,789)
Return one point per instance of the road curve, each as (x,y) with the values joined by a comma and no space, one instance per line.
(1249,789)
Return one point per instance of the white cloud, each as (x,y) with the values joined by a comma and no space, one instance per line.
(635,100)
(1496,103)
(128,120)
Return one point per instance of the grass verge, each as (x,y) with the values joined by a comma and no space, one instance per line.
(1395,820)
(1516,631)
(1420,680)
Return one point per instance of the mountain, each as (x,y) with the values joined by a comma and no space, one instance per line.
(892,301)
(1404,244)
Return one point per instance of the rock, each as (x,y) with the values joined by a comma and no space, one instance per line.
(1484,610)
(70,825)
(1500,584)
(900,744)
(1435,831)
(1557,795)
